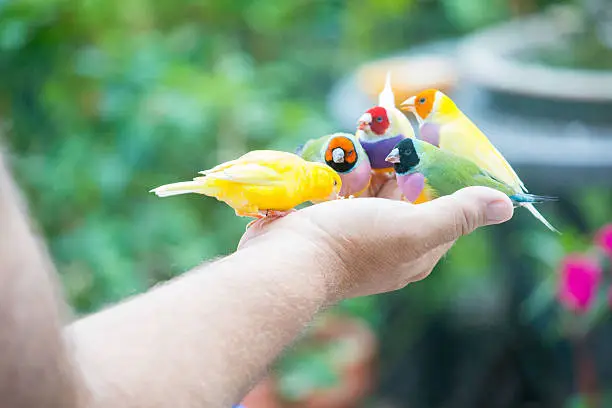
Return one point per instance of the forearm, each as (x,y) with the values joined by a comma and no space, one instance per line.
(35,369)
(202,339)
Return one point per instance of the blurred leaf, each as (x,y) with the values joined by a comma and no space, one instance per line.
(471,14)
(365,308)
(307,369)
(13,34)
(542,299)
(102,101)
(577,401)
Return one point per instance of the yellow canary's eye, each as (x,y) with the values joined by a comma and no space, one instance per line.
(422,100)
(335,183)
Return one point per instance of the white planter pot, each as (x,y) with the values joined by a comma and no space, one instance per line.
(486,59)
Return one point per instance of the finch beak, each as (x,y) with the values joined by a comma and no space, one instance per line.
(364,121)
(393,157)
(408,104)
(338,155)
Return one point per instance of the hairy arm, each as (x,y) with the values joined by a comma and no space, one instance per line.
(203,339)
(35,368)
(200,340)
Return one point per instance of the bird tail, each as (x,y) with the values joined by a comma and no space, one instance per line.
(522,198)
(199,185)
(540,217)
(527,200)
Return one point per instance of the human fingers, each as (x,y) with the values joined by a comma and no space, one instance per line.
(427,262)
(377,182)
(383,187)
(421,235)
(399,275)
(450,217)
(251,232)
(389,190)
(254,229)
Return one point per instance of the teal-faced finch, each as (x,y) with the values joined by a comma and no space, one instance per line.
(442,173)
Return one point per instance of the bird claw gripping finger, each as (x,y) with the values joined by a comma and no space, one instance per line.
(272,214)
(267,216)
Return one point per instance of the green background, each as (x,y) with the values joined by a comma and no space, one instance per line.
(101,101)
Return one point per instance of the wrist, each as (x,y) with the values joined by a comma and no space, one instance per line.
(313,263)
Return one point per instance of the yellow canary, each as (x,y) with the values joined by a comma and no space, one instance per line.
(444,125)
(262,183)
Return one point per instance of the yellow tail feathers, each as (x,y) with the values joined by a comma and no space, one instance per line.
(199,185)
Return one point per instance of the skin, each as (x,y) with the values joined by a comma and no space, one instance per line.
(35,367)
(205,338)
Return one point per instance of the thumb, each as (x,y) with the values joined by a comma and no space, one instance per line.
(452,216)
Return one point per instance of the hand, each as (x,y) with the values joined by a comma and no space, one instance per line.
(373,245)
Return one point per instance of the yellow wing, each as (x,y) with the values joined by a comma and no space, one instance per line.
(252,187)
(462,137)
(258,180)
(230,181)
(248,173)
(269,158)
(401,123)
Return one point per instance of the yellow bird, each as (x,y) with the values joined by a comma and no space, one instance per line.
(444,125)
(262,183)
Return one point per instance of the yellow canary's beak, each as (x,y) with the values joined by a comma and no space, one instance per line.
(408,104)
(393,157)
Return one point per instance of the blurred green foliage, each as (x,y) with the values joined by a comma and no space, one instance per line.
(103,100)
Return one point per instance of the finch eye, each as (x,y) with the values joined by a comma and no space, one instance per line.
(422,100)
(379,119)
(335,183)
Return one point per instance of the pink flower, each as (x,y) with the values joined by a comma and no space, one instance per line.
(603,239)
(580,276)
